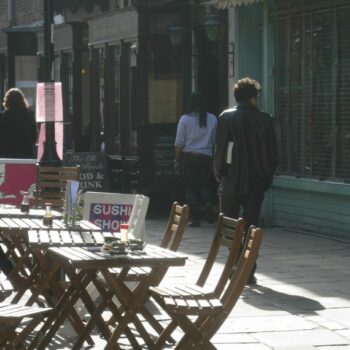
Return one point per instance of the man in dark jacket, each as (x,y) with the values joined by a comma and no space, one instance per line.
(245,156)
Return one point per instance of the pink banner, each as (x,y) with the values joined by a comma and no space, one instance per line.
(49,106)
(14,180)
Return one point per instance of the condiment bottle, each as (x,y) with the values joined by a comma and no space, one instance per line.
(48,216)
(25,203)
(124,232)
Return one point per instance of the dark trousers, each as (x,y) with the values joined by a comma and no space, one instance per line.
(6,265)
(197,170)
(231,204)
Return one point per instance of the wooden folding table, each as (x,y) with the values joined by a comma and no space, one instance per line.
(82,266)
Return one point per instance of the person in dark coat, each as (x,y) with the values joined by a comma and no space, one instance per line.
(245,155)
(18,132)
(18,135)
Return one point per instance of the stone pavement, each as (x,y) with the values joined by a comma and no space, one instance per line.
(301,301)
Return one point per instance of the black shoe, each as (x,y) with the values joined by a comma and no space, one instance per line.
(194,223)
(252,280)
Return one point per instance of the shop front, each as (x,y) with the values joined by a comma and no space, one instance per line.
(127,71)
(145,61)
(300,52)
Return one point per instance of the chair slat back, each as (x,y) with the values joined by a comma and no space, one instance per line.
(177,223)
(210,325)
(244,267)
(238,281)
(51,184)
(228,233)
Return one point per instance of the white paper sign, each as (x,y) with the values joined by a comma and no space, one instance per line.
(229,153)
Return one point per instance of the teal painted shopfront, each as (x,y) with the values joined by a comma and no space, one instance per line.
(300,51)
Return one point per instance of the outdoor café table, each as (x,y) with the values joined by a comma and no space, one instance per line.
(15,241)
(39,240)
(14,231)
(7,211)
(82,266)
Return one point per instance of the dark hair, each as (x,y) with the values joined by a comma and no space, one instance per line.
(245,89)
(15,99)
(197,104)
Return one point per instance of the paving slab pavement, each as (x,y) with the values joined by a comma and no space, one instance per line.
(301,301)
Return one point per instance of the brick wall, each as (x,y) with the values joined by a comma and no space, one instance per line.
(3,24)
(28,12)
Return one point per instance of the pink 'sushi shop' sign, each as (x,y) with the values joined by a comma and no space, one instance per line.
(16,178)
(109,216)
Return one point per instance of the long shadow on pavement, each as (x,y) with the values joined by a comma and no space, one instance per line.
(269,299)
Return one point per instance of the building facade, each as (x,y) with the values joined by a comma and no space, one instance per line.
(300,52)
(127,69)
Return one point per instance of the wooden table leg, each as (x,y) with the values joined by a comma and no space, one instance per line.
(49,280)
(132,302)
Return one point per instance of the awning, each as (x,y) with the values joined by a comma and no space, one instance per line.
(231,3)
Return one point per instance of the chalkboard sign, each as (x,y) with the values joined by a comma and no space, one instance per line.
(156,142)
(93,170)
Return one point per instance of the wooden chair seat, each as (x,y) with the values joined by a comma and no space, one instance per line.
(9,312)
(193,306)
(13,334)
(187,291)
(211,311)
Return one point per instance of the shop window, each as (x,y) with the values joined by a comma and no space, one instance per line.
(64,73)
(112,128)
(165,81)
(312,94)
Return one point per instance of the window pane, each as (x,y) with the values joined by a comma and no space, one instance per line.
(282,92)
(343,106)
(322,95)
(307,100)
(164,81)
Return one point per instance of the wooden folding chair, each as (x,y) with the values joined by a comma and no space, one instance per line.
(210,311)
(228,234)
(11,316)
(51,184)
(174,231)
(178,219)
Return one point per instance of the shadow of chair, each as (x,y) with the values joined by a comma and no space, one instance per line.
(210,310)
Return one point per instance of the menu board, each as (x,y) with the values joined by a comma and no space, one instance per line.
(156,143)
(93,169)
